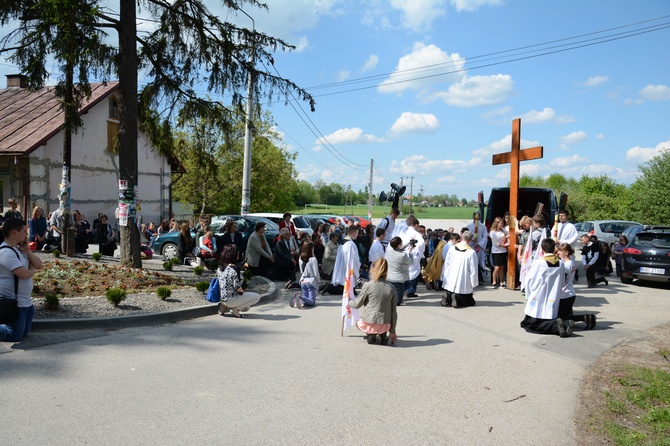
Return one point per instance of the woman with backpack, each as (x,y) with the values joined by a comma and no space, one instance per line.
(233,297)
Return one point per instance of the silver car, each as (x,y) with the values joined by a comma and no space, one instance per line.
(606,230)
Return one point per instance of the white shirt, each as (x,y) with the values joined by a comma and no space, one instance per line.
(376,251)
(567,233)
(497,237)
(388,223)
(9,261)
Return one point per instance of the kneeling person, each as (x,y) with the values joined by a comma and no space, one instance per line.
(544,285)
(460,274)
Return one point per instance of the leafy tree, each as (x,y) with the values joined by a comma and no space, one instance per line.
(650,193)
(213,167)
(190,48)
(305,193)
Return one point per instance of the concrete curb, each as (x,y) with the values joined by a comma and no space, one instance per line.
(138,320)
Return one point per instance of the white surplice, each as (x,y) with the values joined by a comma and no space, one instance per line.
(460,273)
(544,285)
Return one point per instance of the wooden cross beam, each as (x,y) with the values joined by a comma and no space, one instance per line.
(513,158)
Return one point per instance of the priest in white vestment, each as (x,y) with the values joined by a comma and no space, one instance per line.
(346,272)
(460,273)
(480,239)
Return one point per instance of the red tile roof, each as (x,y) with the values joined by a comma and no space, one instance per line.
(29,119)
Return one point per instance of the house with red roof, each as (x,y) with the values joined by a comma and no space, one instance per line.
(31,154)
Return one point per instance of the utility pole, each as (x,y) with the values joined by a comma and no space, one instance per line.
(411,184)
(246,171)
(372,162)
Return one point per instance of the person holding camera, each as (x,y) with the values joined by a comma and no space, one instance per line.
(408,231)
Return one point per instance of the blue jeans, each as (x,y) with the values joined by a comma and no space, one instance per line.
(19,329)
(399,291)
(410,285)
(308,294)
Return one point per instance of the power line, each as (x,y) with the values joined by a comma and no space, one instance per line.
(498,55)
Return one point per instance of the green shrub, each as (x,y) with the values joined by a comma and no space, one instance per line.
(167,266)
(51,302)
(247,274)
(115,295)
(56,253)
(174,260)
(163,292)
(212,265)
(96,256)
(202,286)
(198,270)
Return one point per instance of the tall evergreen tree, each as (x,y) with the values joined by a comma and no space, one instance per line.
(189,49)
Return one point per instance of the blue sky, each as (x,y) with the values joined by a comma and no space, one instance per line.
(429,88)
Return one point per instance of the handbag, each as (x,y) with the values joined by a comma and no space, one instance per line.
(9,307)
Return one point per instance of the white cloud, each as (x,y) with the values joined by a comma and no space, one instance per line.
(568,161)
(415,123)
(595,81)
(474,91)
(447,179)
(421,164)
(473,5)
(349,135)
(534,116)
(301,45)
(643,154)
(371,63)
(343,75)
(600,136)
(503,145)
(655,93)
(547,114)
(417,70)
(418,15)
(573,138)
(650,93)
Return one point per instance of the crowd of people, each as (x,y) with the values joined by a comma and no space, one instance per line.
(454,262)
(392,258)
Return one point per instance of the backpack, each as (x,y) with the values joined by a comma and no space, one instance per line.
(214,292)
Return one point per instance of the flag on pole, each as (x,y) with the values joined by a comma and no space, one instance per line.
(526,259)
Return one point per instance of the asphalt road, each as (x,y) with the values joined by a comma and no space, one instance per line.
(285,376)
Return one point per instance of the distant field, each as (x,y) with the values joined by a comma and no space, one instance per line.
(445,213)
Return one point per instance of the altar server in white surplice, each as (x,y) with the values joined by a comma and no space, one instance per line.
(544,284)
(460,273)
(346,272)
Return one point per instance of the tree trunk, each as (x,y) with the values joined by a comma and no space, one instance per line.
(68,230)
(128,63)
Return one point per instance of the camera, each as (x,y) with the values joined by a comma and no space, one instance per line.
(413,242)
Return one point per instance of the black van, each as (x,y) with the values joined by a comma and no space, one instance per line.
(529,197)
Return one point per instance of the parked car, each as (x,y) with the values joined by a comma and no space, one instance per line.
(314,221)
(300,223)
(632,231)
(166,244)
(607,231)
(647,256)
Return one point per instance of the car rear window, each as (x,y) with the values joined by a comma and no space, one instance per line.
(300,222)
(653,240)
(614,228)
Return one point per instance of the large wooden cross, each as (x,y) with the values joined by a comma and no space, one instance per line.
(513,158)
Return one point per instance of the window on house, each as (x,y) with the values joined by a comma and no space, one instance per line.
(113,125)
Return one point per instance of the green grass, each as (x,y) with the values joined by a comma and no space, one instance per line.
(639,407)
(378,212)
